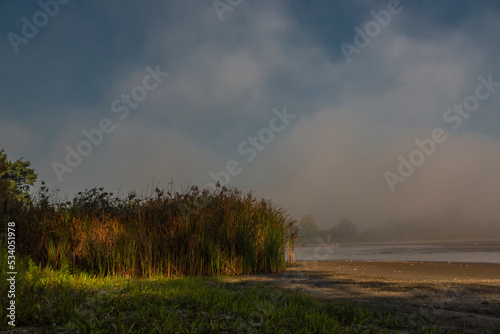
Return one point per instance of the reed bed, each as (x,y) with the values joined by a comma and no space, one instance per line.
(218,232)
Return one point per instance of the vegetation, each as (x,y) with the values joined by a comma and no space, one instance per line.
(197,233)
(79,303)
(309,232)
(105,264)
(448,225)
(15,179)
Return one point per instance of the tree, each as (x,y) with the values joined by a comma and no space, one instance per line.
(15,178)
(308,230)
(345,229)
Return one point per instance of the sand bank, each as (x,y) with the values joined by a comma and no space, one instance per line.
(460,296)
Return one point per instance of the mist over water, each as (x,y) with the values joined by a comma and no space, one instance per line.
(450,251)
(401,136)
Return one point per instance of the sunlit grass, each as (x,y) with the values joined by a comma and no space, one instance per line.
(81,303)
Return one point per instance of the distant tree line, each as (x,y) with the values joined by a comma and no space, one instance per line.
(449,225)
(309,232)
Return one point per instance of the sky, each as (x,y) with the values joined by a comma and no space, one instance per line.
(371,110)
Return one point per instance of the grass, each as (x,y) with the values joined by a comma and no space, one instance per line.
(79,303)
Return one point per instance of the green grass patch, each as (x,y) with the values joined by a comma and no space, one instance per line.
(80,303)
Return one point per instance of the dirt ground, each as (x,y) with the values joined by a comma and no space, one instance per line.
(460,296)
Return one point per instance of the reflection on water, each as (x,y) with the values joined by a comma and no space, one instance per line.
(484,251)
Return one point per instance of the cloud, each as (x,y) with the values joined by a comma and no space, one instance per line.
(354,120)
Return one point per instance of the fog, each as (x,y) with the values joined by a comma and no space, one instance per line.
(338,153)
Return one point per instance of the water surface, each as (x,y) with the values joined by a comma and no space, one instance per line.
(480,251)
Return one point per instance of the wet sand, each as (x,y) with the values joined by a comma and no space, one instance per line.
(464,297)
(407,271)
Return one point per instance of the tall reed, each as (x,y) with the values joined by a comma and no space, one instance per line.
(196,233)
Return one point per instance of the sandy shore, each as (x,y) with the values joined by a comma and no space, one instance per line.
(460,296)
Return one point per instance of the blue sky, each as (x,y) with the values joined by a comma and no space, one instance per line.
(353,119)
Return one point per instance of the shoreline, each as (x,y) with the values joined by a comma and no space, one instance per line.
(463,296)
(410,270)
(404,242)
(404,261)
